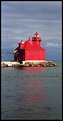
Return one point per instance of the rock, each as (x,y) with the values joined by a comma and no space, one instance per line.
(28,64)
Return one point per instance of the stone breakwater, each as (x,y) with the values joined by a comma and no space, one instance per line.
(28,64)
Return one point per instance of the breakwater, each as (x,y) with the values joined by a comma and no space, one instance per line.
(28,64)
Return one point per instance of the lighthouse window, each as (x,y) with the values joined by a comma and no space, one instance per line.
(37,35)
(34,35)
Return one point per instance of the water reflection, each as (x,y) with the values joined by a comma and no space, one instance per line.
(32,68)
(33,92)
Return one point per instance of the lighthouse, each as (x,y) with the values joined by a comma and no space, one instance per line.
(36,38)
(30,50)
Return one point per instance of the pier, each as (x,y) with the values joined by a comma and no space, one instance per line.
(28,64)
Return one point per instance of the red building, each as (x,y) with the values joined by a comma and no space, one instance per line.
(30,50)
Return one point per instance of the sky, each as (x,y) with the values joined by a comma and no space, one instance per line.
(21,19)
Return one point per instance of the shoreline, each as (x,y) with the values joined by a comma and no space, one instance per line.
(28,64)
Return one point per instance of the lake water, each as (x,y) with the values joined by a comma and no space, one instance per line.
(31,93)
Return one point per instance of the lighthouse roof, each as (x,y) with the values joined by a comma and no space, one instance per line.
(36,33)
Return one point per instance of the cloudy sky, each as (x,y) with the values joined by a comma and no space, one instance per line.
(21,19)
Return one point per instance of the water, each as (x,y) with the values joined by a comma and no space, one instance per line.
(31,93)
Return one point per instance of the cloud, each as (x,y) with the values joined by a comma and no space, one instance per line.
(19,20)
(50,44)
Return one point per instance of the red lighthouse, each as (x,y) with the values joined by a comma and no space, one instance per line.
(30,50)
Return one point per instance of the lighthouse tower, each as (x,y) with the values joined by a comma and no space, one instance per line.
(36,38)
(30,50)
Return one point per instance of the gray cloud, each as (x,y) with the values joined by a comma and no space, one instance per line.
(19,20)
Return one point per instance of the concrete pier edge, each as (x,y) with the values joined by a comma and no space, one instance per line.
(28,63)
